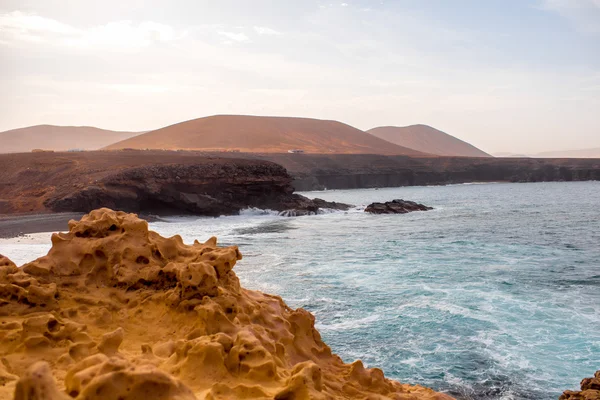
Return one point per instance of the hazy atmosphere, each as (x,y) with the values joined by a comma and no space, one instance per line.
(506,76)
(407,190)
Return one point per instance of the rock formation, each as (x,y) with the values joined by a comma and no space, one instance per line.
(160,182)
(397,206)
(115,311)
(150,182)
(305,206)
(590,390)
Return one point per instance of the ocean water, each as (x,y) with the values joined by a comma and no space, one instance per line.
(495,294)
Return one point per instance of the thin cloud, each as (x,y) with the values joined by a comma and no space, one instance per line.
(263,30)
(236,37)
(18,22)
(18,27)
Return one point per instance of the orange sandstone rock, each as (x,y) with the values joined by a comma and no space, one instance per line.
(590,390)
(115,311)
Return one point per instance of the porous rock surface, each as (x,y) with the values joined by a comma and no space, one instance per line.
(397,206)
(115,311)
(590,390)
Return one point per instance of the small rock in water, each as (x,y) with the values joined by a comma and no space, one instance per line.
(397,206)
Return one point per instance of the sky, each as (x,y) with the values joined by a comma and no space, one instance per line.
(517,76)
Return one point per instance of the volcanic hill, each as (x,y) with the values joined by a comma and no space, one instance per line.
(58,138)
(255,134)
(426,139)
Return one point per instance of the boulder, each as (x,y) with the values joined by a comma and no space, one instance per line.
(397,206)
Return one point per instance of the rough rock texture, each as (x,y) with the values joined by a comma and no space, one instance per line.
(397,206)
(115,311)
(304,206)
(144,181)
(590,390)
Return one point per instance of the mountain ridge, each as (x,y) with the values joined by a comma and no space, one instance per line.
(59,138)
(427,139)
(250,133)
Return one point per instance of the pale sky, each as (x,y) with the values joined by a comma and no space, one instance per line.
(518,76)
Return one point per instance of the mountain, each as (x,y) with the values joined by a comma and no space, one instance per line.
(256,134)
(52,137)
(427,140)
(583,153)
(506,154)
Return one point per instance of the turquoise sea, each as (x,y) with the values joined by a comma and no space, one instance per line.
(495,294)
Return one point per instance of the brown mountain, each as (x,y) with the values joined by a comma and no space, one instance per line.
(256,134)
(427,140)
(52,137)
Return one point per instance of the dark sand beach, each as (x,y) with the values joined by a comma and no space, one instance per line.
(15,225)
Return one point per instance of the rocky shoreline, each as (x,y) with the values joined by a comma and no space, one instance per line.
(202,183)
(153,182)
(117,311)
(590,390)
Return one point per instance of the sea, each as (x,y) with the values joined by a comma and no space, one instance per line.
(494,294)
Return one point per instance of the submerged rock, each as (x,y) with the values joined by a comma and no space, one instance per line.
(590,390)
(397,206)
(115,311)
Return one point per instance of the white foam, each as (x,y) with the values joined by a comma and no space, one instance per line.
(26,248)
(350,324)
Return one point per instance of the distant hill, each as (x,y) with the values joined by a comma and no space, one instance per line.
(52,137)
(583,153)
(427,140)
(256,134)
(506,154)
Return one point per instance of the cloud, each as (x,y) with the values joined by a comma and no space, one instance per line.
(125,34)
(18,27)
(263,30)
(18,22)
(584,14)
(237,37)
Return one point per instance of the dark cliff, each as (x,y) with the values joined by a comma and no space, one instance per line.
(317,172)
(152,182)
(180,182)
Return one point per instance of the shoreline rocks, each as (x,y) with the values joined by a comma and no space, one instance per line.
(148,182)
(306,206)
(590,390)
(118,311)
(397,206)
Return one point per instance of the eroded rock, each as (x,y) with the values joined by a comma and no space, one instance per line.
(117,311)
(590,390)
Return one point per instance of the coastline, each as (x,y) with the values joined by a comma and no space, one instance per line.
(461,208)
(21,224)
(225,341)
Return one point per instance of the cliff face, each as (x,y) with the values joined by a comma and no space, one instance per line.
(316,172)
(166,182)
(151,182)
(117,311)
(203,189)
